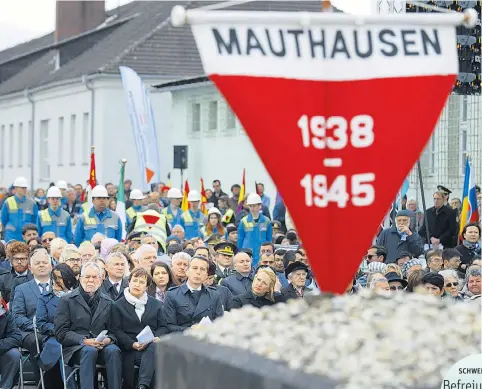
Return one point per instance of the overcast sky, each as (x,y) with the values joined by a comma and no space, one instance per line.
(22,20)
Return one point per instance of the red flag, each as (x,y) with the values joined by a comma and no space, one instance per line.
(204,200)
(92,176)
(185,203)
(336,96)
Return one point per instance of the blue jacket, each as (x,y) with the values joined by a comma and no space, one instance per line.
(15,214)
(192,223)
(252,234)
(171,219)
(107,223)
(46,309)
(60,224)
(24,305)
(237,283)
(10,335)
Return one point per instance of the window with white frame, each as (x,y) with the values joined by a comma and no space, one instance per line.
(20,144)
(195,117)
(433,154)
(85,138)
(72,139)
(10,146)
(212,116)
(44,150)
(463,148)
(2,146)
(60,153)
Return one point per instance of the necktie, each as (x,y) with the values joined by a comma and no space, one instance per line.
(116,288)
(43,286)
(299,293)
(226,272)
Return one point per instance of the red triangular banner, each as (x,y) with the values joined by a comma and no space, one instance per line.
(351,109)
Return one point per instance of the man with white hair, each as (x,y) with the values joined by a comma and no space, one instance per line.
(87,252)
(296,274)
(81,316)
(180,263)
(145,256)
(115,283)
(97,238)
(178,231)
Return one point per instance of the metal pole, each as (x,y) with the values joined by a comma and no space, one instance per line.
(182,180)
(427,232)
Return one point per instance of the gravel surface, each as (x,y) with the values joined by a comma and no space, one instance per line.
(403,341)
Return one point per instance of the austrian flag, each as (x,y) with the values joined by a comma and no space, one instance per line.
(333,91)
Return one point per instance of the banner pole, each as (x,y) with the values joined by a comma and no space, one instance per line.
(425,220)
(181,16)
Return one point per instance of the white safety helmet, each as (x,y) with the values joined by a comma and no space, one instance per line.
(100,191)
(61,184)
(136,194)
(54,192)
(174,193)
(253,199)
(20,182)
(193,196)
(215,211)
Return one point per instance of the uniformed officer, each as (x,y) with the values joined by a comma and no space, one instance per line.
(225,252)
(54,218)
(18,210)
(446,192)
(226,212)
(99,219)
(255,228)
(213,225)
(186,305)
(173,211)
(193,219)
(136,198)
(212,241)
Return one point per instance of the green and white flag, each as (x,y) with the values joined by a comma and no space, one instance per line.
(121,200)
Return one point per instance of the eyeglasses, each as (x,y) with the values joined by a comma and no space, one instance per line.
(20,260)
(73,260)
(370,256)
(47,240)
(394,288)
(450,284)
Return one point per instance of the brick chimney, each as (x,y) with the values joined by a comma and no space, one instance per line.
(75,17)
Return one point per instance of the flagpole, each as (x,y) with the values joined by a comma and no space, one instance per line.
(425,222)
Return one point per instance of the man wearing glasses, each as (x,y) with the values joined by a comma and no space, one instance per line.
(54,218)
(47,237)
(396,283)
(81,317)
(17,252)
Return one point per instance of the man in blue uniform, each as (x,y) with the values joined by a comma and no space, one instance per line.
(99,219)
(186,305)
(54,218)
(193,219)
(255,228)
(18,210)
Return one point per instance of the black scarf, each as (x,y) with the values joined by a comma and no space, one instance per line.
(92,301)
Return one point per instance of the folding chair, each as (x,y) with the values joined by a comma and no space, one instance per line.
(41,383)
(24,356)
(75,369)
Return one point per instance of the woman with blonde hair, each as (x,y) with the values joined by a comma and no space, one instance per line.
(262,291)
(57,245)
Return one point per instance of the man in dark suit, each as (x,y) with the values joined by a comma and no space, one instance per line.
(187,304)
(81,317)
(296,274)
(241,280)
(130,315)
(17,252)
(10,340)
(115,283)
(24,305)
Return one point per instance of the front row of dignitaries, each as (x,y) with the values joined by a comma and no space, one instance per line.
(73,311)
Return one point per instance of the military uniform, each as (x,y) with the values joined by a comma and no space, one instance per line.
(228,249)
(183,308)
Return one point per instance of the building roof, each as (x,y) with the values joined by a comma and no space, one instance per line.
(138,35)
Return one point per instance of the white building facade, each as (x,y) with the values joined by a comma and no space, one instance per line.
(67,119)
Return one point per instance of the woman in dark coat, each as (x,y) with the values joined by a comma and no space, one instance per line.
(130,315)
(470,246)
(63,280)
(262,291)
(162,280)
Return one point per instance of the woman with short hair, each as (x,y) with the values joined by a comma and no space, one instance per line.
(130,315)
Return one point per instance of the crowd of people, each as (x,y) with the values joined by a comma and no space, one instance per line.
(77,294)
